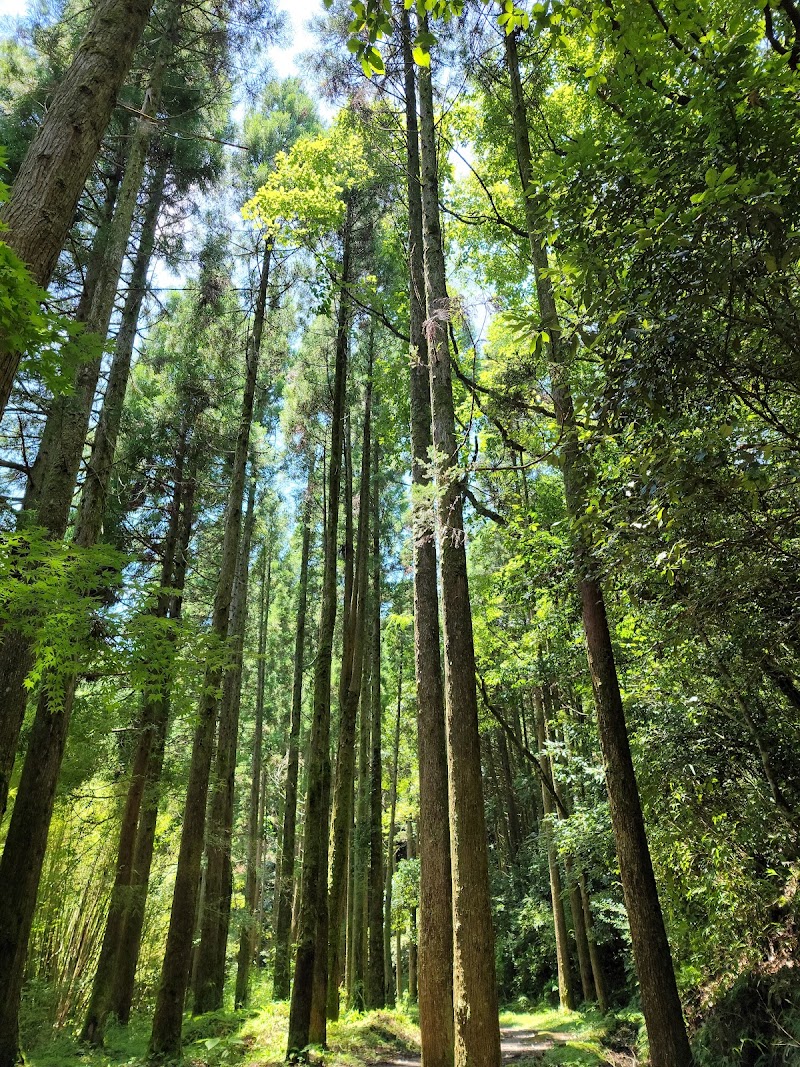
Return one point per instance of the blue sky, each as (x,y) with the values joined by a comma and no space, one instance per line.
(298,11)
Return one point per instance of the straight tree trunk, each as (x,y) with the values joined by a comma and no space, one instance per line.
(476,1026)
(52,483)
(283,920)
(412,922)
(45,194)
(669,1043)
(165,1039)
(23,855)
(361,851)
(566,996)
(98,474)
(376,990)
(149,726)
(16,652)
(435,978)
(594,955)
(350,693)
(247,936)
(122,985)
(390,857)
(211,953)
(313,918)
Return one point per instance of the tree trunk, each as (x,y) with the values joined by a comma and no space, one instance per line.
(98,474)
(594,955)
(566,997)
(361,851)
(69,421)
(52,483)
(375,987)
(435,978)
(476,1027)
(412,922)
(669,1044)
(283,920)
(313,917)
(16,653)
(165,1039)
(121,993)
(350,692)
(50,181)
(150,727)
(210,974)
(247,937)
(390,860)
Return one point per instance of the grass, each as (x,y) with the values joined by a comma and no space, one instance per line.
(242,1039)
(579,1038)
(257,1038)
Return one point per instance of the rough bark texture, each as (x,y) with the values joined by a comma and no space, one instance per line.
(211,952)
(435,963)
(476,1028)
(350,693)
(165,1039)
(313,916)
(283,919)
(45,194)
(669,1044)
(248,932)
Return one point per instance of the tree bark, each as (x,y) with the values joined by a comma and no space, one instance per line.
(283,921)
(669,1043)
(390,861)
(350,693)
(98,474)
(45,194)
(130,937)
(16,653)
(313,917)
(247,936)
(476,1026)
(67,423)
(361,851)
(150,726)
(209,979)
(375,987)
(566,996)
(165,1039)
(435,963)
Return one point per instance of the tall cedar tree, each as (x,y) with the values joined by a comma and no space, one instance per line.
(312,924)
(165,1039)
(435,979)
(283,919)
(669,1044)
(476,1028)
(41,207)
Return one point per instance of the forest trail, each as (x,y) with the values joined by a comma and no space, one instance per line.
(517,1043)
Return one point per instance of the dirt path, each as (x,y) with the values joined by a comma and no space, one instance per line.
(516,1044)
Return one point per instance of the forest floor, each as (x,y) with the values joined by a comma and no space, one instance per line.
(257,1038)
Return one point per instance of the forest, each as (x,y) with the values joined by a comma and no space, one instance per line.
(399,503)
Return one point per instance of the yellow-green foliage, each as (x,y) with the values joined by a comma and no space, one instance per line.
(305,190)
